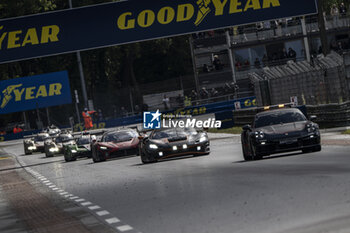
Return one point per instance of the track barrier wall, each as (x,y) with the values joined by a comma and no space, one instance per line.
(212,108)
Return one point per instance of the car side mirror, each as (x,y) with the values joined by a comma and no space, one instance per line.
(313,117)
(246,127)
(143,137)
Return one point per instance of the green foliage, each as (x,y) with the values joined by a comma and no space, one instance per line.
(109,72)
(327,4)
(346,132)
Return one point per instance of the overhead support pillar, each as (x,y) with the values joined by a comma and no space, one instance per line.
(81,71)
(306,40)
(230,55)
(48,117)
(322,28)
(195,73)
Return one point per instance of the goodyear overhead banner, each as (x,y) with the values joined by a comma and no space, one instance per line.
(134,20)
(21,94)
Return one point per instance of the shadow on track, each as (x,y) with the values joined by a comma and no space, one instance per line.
(169,160)
(32,165)
(274,157)
(112,159)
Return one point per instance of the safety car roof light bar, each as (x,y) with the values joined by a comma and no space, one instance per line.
(273,107)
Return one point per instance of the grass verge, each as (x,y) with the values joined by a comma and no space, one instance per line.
(346,132)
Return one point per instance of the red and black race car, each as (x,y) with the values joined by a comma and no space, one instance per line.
(116,143)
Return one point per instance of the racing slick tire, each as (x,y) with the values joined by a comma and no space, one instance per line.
(246,155)
(48,154)
(146,159)
(317,148)
(68,157)
(27,152)
(251,154)
(97,157)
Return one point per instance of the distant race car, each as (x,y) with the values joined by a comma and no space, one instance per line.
(280,130)
(173,142)
(80,149)
(53,131)
(35,143)
(55,145)
(116,143)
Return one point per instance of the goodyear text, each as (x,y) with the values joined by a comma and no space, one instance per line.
(31,36)
(186,12)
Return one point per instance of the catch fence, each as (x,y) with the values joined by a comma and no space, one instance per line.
(324,81)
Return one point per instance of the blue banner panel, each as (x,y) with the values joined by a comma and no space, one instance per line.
(226,118)
(131,21)
(225,108)
(21,94)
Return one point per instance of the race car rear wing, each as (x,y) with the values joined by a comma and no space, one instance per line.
(142,130)
(90,132)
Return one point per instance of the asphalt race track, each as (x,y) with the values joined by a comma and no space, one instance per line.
(216,193)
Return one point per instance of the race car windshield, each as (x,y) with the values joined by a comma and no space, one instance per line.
(66,138)
(53,131)
(41,138)
(171,133)
(83,141)
(119,136)
(278,118)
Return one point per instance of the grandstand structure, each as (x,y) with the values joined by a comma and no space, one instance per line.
(265,44)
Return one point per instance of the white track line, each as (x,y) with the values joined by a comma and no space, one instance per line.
(82,202)
(86,203)
(124,228)
(95,207)
(112,220)
(102,213)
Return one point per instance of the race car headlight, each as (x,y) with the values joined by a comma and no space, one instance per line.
(31,148)
(74,151)
(53,149)
(203,139)
(311,128)
(103,148)
(259,135)
(153,146)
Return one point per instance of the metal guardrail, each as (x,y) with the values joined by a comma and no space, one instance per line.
(254,32)
(322,82)
(328,115)
(331,115)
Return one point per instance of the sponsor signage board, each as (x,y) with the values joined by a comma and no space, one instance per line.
(132,21)
(22,94)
